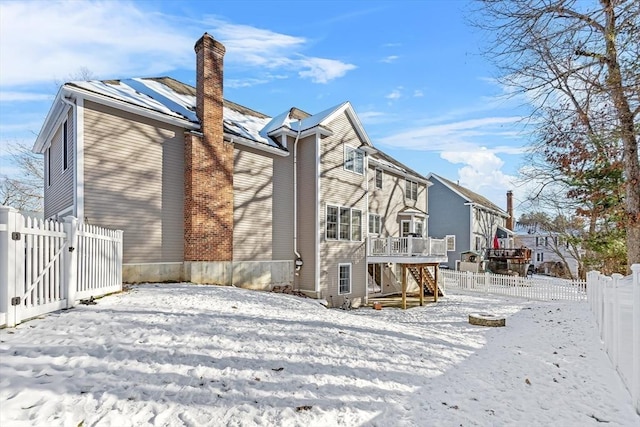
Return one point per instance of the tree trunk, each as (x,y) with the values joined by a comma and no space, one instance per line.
(628,136)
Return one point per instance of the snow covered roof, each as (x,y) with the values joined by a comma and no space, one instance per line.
(389,162)
(176,99)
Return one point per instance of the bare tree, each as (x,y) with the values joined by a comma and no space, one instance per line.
(577,64)
(23,190)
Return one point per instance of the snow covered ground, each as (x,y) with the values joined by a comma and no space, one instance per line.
(181,354)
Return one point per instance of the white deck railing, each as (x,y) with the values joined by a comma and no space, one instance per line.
(406,246)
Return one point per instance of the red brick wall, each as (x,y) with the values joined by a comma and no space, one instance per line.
(208,171)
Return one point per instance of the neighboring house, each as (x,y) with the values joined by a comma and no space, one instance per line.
(471,218)
(209,191)
(551,254)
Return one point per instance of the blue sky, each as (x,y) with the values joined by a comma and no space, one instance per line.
(412,70)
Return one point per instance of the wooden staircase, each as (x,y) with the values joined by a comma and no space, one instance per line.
(427,279)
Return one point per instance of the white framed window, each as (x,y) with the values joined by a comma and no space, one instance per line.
(375,224)
(478,243)
(419,228)
(343,223)
(356,225)
(354,160)
(344,278)
(65,147)
(411,190)
(540,257)
(332,222)
(378,178)
(405,227)
(451,242)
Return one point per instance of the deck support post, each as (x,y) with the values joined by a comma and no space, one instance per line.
(435,279)
(422,267)
(404,287)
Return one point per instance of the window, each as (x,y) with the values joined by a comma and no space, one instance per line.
(546,241)
(379,178)
(411,190)
(332,222)
(65,147)
(405,228)
(537,241)
(48,155)
(451,242)
(540,257)
(418,228)
(375,224)
(343,223)
(356,225)
(354,160)
(478,243)
(344,279)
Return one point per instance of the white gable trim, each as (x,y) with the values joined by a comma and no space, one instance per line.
(348,109)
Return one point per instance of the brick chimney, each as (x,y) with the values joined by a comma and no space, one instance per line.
(510,209)
(208,165)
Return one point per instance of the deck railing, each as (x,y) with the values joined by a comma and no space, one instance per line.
(406,246)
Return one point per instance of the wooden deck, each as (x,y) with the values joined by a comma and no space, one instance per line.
(395,301)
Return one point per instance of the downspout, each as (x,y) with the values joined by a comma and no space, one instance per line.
(365,233)
(298,260)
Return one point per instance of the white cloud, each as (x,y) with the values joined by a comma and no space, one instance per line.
(321,70)
(370,117)
(418,93)
(482,173)
(43,41)
(395,94)
(389,59)
(265,48)
(461,134)
(16,96)
(238,83)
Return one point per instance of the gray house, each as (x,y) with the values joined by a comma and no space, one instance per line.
(476,222)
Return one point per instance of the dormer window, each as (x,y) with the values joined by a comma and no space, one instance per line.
(354,160)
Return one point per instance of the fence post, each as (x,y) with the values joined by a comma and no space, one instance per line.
(635,380)
(70,277)
(9,223)
(615,326)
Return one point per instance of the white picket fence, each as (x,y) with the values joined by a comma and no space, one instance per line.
(542,289)
(615,303)
(50,265)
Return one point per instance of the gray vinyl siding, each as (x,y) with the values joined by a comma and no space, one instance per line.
(252,205)
(340,187)
(59,195)
(307,227)
(134,182)
(282,211)
(448,215)
(390,200)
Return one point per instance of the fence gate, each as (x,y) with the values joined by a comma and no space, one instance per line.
(37,249)
(40,269)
